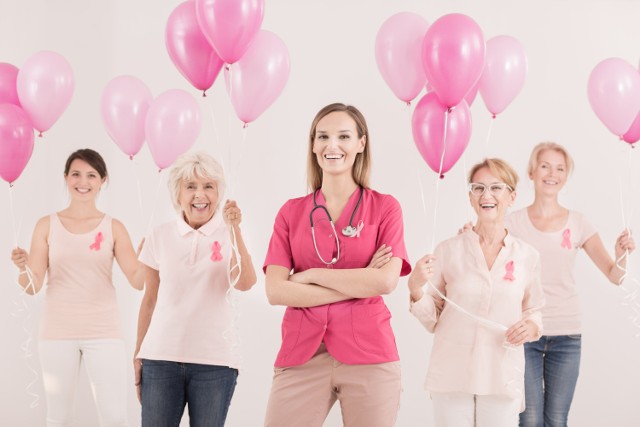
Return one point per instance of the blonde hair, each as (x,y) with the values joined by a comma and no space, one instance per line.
(544,146)
(362,164)
(186,167)
(499,168)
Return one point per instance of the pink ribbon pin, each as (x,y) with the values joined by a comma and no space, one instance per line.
(509,267)
(358,229)
(566,239)
(95,246)
(215,254)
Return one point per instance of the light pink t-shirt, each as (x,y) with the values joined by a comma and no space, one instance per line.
(561,314)
(467,356)
(355,331)
(80,300)
(192,319)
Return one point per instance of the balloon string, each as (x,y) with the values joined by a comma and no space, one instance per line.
(465,185)
(155,202)
(486,142)
(139,187)
(21,308)
(13,217)
(438,179)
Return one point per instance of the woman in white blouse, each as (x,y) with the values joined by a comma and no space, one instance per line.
(476,371)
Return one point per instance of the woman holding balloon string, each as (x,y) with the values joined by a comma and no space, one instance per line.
(484,303)
(552,362)
(75,249)
(337,342)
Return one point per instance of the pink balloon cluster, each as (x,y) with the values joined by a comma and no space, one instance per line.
(34,96)
(614,95)
(449,58)
(170,123)
(202,35)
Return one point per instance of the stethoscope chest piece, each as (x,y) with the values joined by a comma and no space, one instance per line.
(349,231)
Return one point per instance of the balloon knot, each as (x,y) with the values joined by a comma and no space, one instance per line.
(245,125)
(11,185)
(204,93)
(493,116)
(408,103)
(130,156)
(226,66)
(40,135)
(441,176)
(450,109)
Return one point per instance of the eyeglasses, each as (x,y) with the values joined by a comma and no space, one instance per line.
(477,190)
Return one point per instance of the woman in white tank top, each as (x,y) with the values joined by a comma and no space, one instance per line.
(75,249)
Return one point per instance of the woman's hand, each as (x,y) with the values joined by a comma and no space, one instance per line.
(20,257)
(466,227)
(231,213)
(624,243)
(421,274)
(381,257)
(137,372)
(522,332)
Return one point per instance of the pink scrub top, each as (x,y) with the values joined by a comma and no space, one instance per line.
(356,331)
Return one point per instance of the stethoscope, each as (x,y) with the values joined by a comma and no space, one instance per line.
(348,231)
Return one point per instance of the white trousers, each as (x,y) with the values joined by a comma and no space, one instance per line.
(105,363)
(469,410)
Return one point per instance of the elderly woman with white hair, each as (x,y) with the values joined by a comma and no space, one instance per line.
(185,350)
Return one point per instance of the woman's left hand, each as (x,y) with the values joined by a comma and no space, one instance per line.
(522,332)
(624,243)
(231,213)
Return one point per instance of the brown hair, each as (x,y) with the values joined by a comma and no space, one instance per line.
(362,165)
(93,158)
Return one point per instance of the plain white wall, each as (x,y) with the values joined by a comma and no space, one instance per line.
(331,44)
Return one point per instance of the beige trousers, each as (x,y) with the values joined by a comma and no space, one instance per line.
(302,396)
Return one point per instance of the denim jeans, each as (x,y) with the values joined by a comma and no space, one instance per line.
(551,373)
(168,386)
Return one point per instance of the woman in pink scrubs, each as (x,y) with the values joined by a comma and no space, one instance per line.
(476,371)
(337,342)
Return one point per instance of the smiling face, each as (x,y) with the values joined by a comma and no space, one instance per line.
(493,203)
(550,173)
(83,181)
(336,143)
(198,199)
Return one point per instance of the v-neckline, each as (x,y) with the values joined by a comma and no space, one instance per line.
(348,207)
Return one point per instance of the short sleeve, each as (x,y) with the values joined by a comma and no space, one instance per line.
(279,251)
(148,256)
(391,232)
(587,230)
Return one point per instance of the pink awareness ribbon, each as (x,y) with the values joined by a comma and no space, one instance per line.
(358,229)
(95,246)
(509,267)
(566,239)
(215,254)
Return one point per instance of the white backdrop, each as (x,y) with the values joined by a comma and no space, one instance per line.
(331,44)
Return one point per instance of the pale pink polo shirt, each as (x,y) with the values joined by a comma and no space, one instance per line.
(561,314)
(80,300)
(467,356)
(356,331)
(192,320)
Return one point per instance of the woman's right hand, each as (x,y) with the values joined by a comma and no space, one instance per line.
(381,257)
(421,274)
(20,257)
(137,372)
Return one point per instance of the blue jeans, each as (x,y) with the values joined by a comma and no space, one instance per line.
(551,373)
(168,386)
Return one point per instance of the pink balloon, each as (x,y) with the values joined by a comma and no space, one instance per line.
(614,94)
(399,54)
(16,141)
(172,126)
(428,124)
(505,70)
(45,86)
(453,57)
(123,107)
(471,95)
(230,25)
(189,49)
(257,79)
(8,91)
(633,133)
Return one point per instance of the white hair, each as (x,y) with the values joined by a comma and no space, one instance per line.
(186,167)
